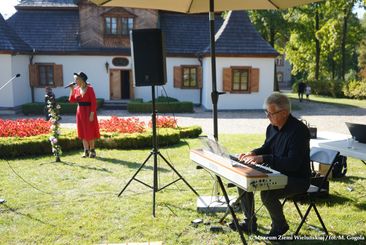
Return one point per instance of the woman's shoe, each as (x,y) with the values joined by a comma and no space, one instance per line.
(92,153)
(85,154)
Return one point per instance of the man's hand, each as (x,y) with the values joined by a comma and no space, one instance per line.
(251,158)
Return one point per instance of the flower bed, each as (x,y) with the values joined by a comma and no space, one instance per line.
(24,127)
(121,125)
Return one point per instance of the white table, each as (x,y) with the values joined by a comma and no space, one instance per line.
(338,142)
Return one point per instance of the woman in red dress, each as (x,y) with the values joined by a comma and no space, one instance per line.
(86,113)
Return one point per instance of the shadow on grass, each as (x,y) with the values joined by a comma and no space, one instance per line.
(129,164)
(349,179)
(72,164)
(27,216)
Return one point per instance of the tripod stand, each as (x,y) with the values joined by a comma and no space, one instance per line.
(155,153)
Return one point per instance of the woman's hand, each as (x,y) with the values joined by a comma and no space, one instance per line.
(91,117)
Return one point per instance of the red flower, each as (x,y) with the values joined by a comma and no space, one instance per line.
(24,127)
(121,125)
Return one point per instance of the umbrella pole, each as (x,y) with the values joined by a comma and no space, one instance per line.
(215,98)
(214,93)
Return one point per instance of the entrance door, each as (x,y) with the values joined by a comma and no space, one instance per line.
(115,84)
(120,84)
(125,83)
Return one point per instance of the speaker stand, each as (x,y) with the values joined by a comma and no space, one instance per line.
(155,153)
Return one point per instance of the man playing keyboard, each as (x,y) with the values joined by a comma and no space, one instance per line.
(285,149)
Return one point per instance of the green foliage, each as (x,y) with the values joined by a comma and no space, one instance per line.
(337,34)
(165,99)
(37,108)
(162,107)
(12,147)
(190,132)
(355,89)
(332,88)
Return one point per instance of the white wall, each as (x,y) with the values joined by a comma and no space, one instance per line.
(21,87)
(238,101)
(180,94)
(6,93)
(93,66)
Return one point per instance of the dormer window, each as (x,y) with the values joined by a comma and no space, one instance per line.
(117,26)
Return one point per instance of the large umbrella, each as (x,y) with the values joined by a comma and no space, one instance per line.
(210,6)
(204,6)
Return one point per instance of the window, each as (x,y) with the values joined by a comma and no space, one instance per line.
(45,74)
(279,60)
(280,76)
(118,26)
(240,79)
(188,77)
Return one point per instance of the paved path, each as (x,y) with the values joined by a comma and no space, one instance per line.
(325,117)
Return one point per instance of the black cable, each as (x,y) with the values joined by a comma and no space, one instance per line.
(25,181)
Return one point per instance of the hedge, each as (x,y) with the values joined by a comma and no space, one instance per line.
(37,108)
(136,106)
(14,147)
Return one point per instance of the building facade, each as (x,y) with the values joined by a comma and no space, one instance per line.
(47,41)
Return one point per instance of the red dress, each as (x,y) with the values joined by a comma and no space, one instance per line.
(87,103)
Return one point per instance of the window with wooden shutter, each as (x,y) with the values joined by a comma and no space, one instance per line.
(33,75)
(241,79)
(177,77)
(45,74)
(227,79)
(58,75)
(254,81)
(199,76)
(188,77)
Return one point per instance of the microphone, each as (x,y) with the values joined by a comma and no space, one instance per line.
(71,84)
(11,79)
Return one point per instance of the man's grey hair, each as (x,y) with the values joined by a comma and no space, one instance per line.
(279,100)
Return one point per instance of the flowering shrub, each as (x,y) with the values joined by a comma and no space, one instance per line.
(121,125)
(24,127)
(54,114)
(164,122)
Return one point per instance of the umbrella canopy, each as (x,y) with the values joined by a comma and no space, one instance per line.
(202,6)
(206,6)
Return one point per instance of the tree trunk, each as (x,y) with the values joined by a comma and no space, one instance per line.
(317,47)
(343,42)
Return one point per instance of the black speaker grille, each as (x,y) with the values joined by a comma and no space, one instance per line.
(148,57)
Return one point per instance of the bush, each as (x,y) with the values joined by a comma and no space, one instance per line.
(13,147)
(162,107)
(190,132)
(37,108)
(355,89)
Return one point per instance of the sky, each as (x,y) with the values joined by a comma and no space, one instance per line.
(7,8)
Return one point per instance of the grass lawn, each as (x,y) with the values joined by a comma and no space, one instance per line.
(330,100)
(75,201)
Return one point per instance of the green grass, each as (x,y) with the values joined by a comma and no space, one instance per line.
(333,101)
(75,202)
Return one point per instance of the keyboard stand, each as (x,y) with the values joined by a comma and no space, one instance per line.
(231,210)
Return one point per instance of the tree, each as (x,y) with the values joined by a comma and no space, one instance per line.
(273,28)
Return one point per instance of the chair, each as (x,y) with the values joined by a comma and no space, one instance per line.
(324,156)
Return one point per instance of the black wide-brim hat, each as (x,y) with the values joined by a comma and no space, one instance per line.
(82,75)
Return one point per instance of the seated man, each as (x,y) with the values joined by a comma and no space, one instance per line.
(285,149)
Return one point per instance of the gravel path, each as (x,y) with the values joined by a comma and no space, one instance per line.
(324,116)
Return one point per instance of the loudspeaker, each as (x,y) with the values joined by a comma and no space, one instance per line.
(148,57)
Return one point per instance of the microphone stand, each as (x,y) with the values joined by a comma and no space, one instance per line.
(11,79)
